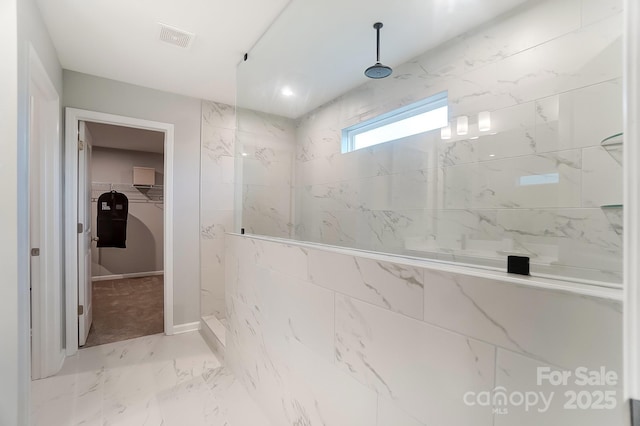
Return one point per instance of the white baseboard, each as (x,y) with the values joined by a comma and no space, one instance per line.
(185,328)
(122,276)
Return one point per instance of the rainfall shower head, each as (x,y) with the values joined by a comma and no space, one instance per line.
(378,70)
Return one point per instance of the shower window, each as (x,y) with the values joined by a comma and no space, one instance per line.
(419,117)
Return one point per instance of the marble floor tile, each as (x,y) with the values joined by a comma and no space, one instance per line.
(152,380)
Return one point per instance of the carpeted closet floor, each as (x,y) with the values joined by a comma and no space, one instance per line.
(126,308)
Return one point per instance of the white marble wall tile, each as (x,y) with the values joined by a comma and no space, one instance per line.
(218,115)
(480,89)
(373,193)
(601,178)
(266,144)
(334,227)
(384,284)
(285,259)
(292,383)
(579,118)
(259,172)
(458,229)
(416,152)
(398,356)
(214,224)
(264,197)
(585,238)
(418,189)
(389,414)
(517,373)
(266,221)
(217,196)
(595,10)
(248,357)
(217,177)
(366,162)
(268,125)
(217,142)
(317,138)
(295,385)
(324,394)
(528,26)
(320,171)
(212,277)
(538,323)
(356,106)
(217,170)
(514,183)
(333,196)
(267,210)
(245,288)
(547,69)
(300,311)
(387,230)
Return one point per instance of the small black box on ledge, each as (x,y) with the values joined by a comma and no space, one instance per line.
(242,231)
(518,265)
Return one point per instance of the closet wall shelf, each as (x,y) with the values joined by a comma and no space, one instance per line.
(147,186)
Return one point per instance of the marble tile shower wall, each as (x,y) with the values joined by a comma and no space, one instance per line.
(267,146)
(323,337)
(216,201)
(550,74)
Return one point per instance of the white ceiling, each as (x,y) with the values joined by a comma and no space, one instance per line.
(119,39)
(129,138)
(319,47)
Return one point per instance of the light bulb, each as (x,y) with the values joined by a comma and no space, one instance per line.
(484,121)
(462,125)
(445,132)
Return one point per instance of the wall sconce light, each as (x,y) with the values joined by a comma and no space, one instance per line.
(445,132)
(463,125)
(484,121)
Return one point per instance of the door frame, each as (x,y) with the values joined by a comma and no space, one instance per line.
(47,354)
(72,117)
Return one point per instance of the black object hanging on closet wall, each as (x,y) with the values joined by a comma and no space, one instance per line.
(113,208)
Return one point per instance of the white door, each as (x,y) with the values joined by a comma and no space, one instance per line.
(85,308)
(35,168)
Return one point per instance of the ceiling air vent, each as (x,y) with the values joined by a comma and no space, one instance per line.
(175,36)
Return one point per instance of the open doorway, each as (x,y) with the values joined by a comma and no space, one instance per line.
(119,276)
(127,270)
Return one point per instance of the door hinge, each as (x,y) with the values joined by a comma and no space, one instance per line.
(80,310)
(35,252)
(80,143)
(80,228)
